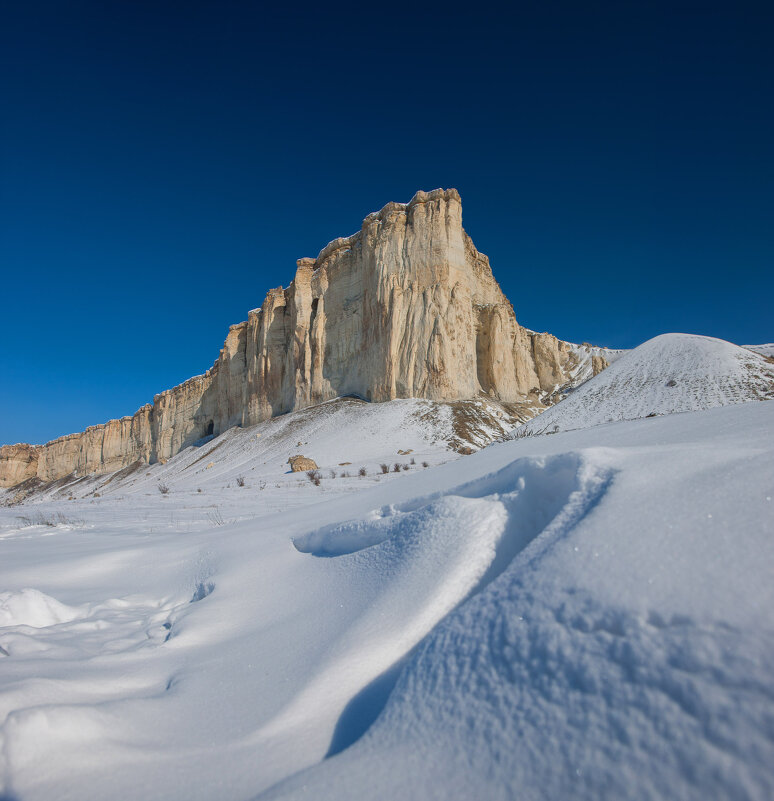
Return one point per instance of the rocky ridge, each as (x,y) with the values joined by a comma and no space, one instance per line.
(406,307)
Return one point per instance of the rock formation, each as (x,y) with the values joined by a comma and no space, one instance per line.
(300,464)
(406,307)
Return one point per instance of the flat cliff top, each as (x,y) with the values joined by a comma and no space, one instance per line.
(445,195)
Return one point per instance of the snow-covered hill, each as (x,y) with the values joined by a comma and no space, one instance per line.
(668,374)
(341,436)
(764,350)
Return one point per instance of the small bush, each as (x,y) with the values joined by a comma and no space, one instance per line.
(362,472)
(413,460)
(215,517)
(316,481)
(425,464)
(240,481)
(332,474)
(406,467)
(163,489)
(58,519)
(199,490)
(345,474)
(312,475)
(396,467)
(385,468)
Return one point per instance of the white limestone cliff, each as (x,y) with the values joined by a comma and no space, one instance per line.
(406,307)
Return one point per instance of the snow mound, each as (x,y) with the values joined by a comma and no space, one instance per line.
(33,608)
(667,374)
(530,492)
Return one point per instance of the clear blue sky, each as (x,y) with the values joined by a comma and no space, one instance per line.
(162,165)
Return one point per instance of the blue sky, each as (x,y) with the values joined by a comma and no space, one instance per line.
(163,165)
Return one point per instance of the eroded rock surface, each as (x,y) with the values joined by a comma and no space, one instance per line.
(300,464)
(406,307)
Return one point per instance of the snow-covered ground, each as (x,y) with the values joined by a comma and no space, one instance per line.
(341,436)
(764,350)
(585,615)
(667,374)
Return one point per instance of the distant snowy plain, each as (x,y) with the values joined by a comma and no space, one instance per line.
(583,615)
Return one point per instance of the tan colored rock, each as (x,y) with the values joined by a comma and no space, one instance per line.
(406,307)
(598,364)
(300,464)
(17,463)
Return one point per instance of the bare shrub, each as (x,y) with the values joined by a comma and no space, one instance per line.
(332,474)
(215,517)
(316,481)
(51,520)
(199,490)
(314,476)
(413,460)
(362,472)
(163,489)
(240,481)
(385,468)
(406,467)
(396,467)
(425,464)
(345,474)
(524,431)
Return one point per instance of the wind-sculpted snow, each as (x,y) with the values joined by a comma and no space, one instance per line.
(34,608)
(530,493)
(624,656)
(518,696)
(668,374)
(432,552)
(586,616)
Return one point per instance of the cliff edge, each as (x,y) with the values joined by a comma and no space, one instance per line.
(406,307)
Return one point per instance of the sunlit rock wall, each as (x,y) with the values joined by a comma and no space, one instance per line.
(406,307)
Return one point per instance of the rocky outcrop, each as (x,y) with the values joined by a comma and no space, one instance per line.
(300,464)
(406,307)
(18,463)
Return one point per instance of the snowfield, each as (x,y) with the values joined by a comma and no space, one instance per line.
(585,615)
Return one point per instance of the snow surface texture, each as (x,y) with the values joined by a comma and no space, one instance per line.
(670,373)
(586,615)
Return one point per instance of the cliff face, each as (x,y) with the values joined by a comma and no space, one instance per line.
(406,307)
